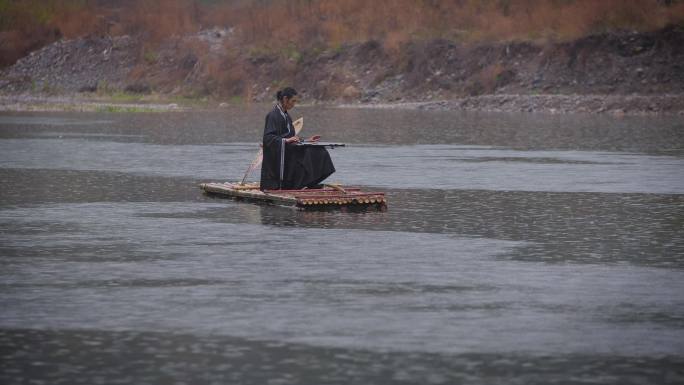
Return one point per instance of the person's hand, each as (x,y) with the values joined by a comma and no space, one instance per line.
(293,139)
(314,138)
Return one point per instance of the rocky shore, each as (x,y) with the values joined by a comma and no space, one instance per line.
(615,105)
(78,103)
(621,73)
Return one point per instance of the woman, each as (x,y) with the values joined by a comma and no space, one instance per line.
(288,165)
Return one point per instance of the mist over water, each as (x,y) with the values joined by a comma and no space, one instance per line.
(516,249)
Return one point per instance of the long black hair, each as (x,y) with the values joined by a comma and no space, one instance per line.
(286,92)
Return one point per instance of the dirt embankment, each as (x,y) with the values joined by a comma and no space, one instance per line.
(621,73)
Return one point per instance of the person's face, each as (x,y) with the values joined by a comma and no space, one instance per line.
(289,103)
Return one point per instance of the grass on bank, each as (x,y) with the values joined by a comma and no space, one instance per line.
(112,108)
(330,23)
(289,32)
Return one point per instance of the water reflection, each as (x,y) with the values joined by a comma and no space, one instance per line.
(517,248)
(169,267)
(640,229)
(161,358)
(418,167)
(363,126)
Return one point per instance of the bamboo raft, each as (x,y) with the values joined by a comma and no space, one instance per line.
(329,197)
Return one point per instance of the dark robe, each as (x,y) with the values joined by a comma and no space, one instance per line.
(287,166)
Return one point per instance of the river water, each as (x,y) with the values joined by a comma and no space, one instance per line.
(517,249)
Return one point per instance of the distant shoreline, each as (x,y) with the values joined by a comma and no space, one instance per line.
(618,73)
(615,105)
(76,103)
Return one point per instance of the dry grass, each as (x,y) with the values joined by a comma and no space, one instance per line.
(289,29)
(160,20)
(489,76)
(331,23)
(334,22)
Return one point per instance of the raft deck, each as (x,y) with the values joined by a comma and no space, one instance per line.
(331,196)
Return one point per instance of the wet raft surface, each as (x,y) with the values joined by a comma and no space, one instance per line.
(329,197)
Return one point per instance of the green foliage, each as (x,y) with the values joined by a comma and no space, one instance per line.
(277,84)
(121,96)
(336,48)
(316,51)
(17,14)
(103,88)
(212,2)
(4,14)
(292,53)
(258,51)
(28,13)
(50,89)
(191,99)
(112,108)
(150,57)
(42,14)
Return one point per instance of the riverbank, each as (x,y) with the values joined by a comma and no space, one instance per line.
(78,103)
(616,105)
(619,72)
